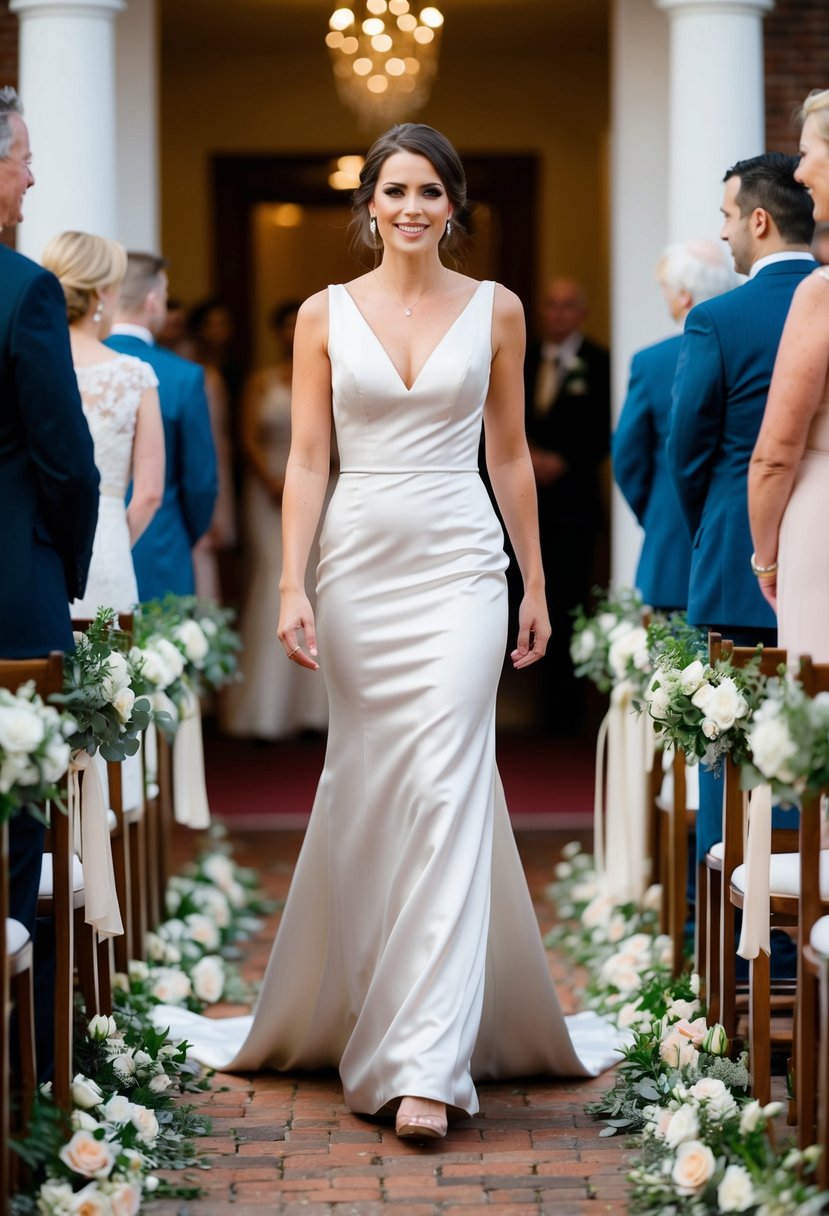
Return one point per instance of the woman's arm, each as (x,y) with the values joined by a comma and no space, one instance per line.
(252,399)
(306,476)
(147,465)
(511,472)
(797,388)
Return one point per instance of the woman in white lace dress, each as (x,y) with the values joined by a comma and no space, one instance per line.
(120,401)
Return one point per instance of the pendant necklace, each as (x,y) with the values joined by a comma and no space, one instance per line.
(409,309)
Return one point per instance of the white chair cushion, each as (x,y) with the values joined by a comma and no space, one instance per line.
(16,936)
(784,874)
(112,820)
(47,887)
(152,790)
(718,850)
(820,936)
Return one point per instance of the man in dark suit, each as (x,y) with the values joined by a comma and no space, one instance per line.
(48,479)
(688,274)
(162,556)
(567,395)
(722,381)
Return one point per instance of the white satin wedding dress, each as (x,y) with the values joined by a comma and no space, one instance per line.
(409,955)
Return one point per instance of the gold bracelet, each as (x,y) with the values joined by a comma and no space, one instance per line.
(762,570)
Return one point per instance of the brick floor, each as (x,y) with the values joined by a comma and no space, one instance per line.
(287,1145)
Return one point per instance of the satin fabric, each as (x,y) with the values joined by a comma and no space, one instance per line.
(408,954)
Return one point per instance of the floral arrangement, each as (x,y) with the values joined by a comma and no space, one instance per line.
(34,749)
(98,690)
(702,1145)
(702,710)
(201,632)
(788,740)
(606,643)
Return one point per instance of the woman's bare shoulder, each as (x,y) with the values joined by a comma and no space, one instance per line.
(507,305)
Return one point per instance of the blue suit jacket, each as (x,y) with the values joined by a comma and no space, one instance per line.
(162,555)
(48,478)
(722,381)
(641,471)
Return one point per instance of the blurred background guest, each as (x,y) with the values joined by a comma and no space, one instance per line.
(120,401)
(172,333)
(788,483)
(687,274)
(273,699)
(567,388)
(162,556)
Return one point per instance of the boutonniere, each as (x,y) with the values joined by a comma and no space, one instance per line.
(576,378)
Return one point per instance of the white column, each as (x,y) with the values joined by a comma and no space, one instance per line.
(638,156)
(717,104)
(67,85)
(136,60)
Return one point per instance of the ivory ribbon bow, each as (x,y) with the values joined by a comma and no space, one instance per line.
(88,807)
(756,931)
(190,805)
(619,831)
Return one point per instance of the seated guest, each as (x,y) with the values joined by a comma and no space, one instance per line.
(688,274)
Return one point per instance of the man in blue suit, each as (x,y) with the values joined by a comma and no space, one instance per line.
(722,380)
(48,493)
(162,556)
(688,274)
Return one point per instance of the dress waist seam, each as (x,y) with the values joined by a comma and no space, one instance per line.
(431,469)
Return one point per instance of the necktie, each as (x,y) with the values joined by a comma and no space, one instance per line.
(546,384)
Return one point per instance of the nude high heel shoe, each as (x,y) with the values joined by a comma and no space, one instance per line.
(415,1120)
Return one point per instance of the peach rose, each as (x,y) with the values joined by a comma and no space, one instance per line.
(87,1156)
(693,1167)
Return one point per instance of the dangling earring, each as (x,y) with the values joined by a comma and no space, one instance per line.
(99,312)
(448,227)
(372,225)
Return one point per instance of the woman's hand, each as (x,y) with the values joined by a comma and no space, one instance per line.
(296,613)
(533,631)
(768,589)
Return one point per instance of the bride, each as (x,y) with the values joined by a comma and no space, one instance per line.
(409,954)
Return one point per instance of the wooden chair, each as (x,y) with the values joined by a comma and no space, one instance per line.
(16,948)
(816,959)
(675,821)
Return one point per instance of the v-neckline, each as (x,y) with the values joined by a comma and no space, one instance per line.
(406,388)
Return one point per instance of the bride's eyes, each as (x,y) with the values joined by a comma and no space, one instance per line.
(428,192)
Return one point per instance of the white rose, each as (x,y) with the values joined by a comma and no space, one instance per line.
(583,892)
(124,1066)
(583,645)
(658,702)
(683,1009)
(736,1191)
(638,944)
(212,902)
(616,929)
(237,895)
(632,646)
(123,701)
(87,1156)
(132,1160)
(209,628)
(203,930)
(170,654)
(716,1096)
(55,760)
(652,899)
(172,930)
(170,986)
(117,1110)
(751,1117)
(208,978)
(152,666)
(607,621)
(138,969)
(90,1202)
(82,1121)
(116,677)
(693,1167)
(146,1124)
(597,911)
(726,704)
(54,1198)
(155,947)
(628,1015)
(563,870)
(219,869)
(191,637)
(691,677)
(150,1184)
(160,1082)
(710,728)
(85,1092)
(684,1125)
(125,1199)
(771,746)
(102,1027)
(21,728)
(702,697)
(619,630)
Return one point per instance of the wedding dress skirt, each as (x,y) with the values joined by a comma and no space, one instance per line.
(409,954)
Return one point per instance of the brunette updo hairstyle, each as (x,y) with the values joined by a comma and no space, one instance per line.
(83,264)
(424,141)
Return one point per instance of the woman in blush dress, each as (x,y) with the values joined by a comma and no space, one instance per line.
(789,474)
(273,699)
(408,955)
(120,401)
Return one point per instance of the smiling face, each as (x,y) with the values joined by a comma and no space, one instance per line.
(15,174)
(410,203)
(813,170)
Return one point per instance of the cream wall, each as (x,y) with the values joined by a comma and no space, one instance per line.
(553,104)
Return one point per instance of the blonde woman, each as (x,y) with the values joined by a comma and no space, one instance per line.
(120,401)
(789,474)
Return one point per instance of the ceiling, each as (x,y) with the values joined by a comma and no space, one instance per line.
(477,25)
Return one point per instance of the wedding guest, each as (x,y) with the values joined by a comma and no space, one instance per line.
(48,499)
(163,561)
(567,395)
(271,700)
(172,333)
(788,486)
(722,380)
(120,401)
(688,274)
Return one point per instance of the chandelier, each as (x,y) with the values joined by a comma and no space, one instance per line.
(384,57)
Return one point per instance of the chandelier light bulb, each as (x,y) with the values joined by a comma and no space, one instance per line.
(376,7)
(395,67)
(432,17)
(381,43)
(363,66)
(407,23)
(334,40)
(377,84)
(349,46)
(423,35)
(373,25)
(341,19)
(396,7)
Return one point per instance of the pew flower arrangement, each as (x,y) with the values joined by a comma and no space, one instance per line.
(202,633)
(788,740)
(34,749)
(606,641)
(99,690)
